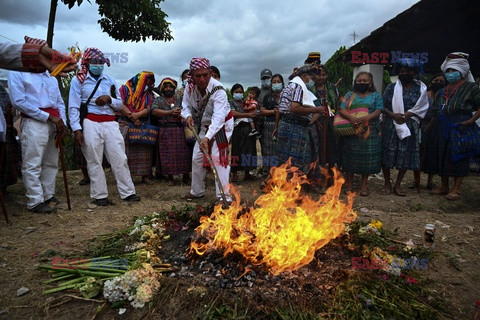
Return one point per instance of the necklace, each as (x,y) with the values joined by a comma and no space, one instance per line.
(449,92)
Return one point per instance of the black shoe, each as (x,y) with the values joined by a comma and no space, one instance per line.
(43,208)
(52,200)
(84,182)
(132,198)
(101,202)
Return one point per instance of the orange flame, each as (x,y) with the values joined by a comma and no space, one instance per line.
(284,229)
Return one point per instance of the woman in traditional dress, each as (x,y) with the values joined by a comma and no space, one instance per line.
(405,104)
(137,98)
(174,154)
(244,151)
(10,151)
(269,109)
(298,139)
(328,98)
(428,135)
(361,152)
(458,106)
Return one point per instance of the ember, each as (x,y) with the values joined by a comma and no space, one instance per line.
(283,230)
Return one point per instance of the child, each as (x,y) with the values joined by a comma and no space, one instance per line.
(250,106)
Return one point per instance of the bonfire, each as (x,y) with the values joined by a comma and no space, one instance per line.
(283,229)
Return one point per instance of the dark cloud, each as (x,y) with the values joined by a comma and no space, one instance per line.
(25,12)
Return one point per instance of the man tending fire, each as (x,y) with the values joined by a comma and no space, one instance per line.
(205,104)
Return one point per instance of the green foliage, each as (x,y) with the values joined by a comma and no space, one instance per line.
(340,69)
(386,79)
(367,296)
(127,20)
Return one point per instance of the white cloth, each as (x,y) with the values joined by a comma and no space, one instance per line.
(459,64)
(11,56)
(30,92)
(308,96)
(420,109)
(199,172)
(39,160)
(100,137)
(215,112)
(80,92)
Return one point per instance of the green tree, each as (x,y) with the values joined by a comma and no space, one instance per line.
(339,69)
(123,20)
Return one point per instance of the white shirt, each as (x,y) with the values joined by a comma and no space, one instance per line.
(80,92)
(215,112)
(30,92)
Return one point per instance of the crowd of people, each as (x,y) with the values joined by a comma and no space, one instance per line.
(411,126)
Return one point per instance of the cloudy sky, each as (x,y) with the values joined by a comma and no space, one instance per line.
(239,37)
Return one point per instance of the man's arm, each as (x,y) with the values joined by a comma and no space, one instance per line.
(18,97)
(74,101)
(221,108)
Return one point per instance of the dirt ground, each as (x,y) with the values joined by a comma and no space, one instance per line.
(454,271)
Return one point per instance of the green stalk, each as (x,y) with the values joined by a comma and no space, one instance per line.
(72,286)
(98,274)
(70,275)
(67,283)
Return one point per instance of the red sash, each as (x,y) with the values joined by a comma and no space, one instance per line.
(100,117)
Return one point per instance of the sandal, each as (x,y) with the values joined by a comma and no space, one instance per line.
(387,189)
(364,192)
(190,197)
(84,181)
(399,191)
(234,177)
(453,196)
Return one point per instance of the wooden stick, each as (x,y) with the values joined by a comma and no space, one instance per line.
(64,170)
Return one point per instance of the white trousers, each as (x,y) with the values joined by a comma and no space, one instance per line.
(199,172)
(39,160)
(100,138)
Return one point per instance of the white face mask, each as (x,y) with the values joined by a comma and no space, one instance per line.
(185,83)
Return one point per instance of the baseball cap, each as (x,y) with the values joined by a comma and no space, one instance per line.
(266,73)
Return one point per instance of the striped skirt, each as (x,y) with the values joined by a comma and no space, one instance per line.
(299,142)
(139,155)
(362,156)
(174,154)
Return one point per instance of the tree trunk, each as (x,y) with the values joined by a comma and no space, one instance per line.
(51,22)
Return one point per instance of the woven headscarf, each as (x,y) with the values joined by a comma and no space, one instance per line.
(35,41)
(134,93)
(459,62)
(91,55)
(165,81)
(195,64)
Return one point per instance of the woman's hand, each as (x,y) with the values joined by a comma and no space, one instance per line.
(175,113)
(134,116)
(466,123)
(399,118)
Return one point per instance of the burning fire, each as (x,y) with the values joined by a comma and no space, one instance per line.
(284,229)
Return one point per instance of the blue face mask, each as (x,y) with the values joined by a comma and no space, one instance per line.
(238,96)
(453,77)
(310,84)
(277,87)
(96,69)
(266,83)
(185,83)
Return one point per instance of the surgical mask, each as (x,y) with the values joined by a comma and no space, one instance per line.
(184,83)
(361,87)
(310,84)
(96,69)
(266,83)
(238,96)
(406,78)
(168,94)
(277,87)
(453,77)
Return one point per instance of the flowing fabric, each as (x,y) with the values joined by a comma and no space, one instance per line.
(135,94)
